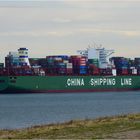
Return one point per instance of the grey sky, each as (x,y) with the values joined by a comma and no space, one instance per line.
(62,27)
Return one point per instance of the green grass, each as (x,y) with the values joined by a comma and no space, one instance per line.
(105,127)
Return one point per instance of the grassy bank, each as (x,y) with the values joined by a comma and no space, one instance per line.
(126,126)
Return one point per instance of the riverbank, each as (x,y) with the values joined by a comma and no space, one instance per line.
(125,126)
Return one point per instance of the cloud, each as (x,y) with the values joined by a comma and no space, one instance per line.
(61,20)
(131,33)
(41,33)
(71,23)
(59,33)
(69,32)
(121,32)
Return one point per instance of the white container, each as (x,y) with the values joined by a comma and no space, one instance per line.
(114,72)
(42,73)
(69,65)
(57,58)
(65,61)
(134,71)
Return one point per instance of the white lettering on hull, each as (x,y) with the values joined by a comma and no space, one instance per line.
(99,82)
(126,82)
(102,81)
(75,82)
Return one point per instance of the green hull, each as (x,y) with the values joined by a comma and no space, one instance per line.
(36,84)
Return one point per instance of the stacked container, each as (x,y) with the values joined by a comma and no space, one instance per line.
(69,68)
(133,71)
(64,57)
(122,72)
(1,68)
(57,64)
(94,62)
(93,66)
(61,68)
(137,63)
(12,60)
(42,62)
(50,64)
(107,71)
(1,65)
(138,71)
(83,67)
(34,61)
(93,70)
(79,64)
(122,65)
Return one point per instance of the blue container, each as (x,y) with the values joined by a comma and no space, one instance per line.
(65,57)
(16,64)
(122,63)
(83,72)
(28,72)
(61,65)
(83,67)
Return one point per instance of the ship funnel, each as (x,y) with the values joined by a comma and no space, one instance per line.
(23,56)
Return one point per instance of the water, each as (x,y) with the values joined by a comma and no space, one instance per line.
(25,110)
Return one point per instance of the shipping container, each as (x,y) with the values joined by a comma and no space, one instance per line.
(93,71)
(66,61)
(64,57)
(122,72)
(34,61)
(61,70)
(1,65)
(60,65)
(69,65)
(137,63)
(132,71)
(138,71)
(94,62)
(105,71)
(114,72)
(69,71)
(120,62)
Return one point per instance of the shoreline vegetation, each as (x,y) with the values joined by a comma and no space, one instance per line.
(122,127)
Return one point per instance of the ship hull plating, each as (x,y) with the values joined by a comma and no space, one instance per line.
(56,84)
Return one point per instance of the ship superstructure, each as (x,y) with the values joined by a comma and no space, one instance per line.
(101,54)
(23,56)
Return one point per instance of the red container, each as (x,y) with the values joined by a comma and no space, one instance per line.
(77,61)
(124,72)
(76,56)
(83,64)
(93,70)
(61,70)
(25,67)
(69,70)
(92,66)
(96,72)
(81,60)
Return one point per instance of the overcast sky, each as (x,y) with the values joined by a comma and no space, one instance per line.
(64,26)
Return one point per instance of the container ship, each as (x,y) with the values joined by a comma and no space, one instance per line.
(91,70)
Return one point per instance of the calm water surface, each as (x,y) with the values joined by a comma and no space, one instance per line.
(25,110)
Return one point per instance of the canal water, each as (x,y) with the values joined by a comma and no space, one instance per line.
(25,110)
